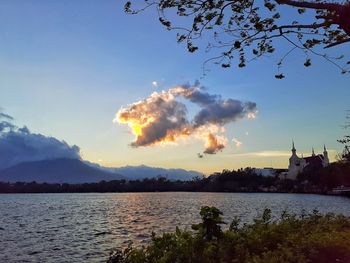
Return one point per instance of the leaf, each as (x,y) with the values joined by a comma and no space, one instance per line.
(127,7)
(307,63)
(181,38)
(165,22)
(279,76)
(237,44)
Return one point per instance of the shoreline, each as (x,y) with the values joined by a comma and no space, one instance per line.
(137,192)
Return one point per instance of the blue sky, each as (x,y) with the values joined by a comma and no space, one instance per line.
(67,67)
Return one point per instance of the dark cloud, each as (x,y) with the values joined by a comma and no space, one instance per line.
(5,122)
(198,96)
(5,116)
(5,125)
(162,118)
(222,112)
(20,145)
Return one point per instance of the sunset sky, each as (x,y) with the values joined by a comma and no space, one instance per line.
(67,68)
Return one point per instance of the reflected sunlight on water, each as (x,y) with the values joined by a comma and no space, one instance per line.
(77,227)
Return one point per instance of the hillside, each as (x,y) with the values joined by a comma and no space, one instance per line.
(142,171)
(62,170)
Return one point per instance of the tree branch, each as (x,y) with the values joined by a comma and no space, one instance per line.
(311,5)
(338,43)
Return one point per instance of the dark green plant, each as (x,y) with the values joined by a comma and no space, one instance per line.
(211,220)
(312,238)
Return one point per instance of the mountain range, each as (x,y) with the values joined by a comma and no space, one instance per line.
(142,171)
(76,171)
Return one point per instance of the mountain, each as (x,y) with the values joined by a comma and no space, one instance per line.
(142,171)
(62,170)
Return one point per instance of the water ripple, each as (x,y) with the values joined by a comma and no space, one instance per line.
(76,227)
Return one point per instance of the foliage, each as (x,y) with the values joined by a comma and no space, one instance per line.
(245,30)
(210,226)
(334,175)
(242,180)
(346,141)
(310,238)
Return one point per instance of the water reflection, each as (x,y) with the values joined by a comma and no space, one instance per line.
(77,227)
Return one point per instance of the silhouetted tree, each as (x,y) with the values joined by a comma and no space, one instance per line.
(246,29)
(346,140)
(211,220)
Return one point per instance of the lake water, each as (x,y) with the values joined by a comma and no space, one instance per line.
(86,227)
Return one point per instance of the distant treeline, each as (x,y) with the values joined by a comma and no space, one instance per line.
(242,180)
(233,181)
(334,175)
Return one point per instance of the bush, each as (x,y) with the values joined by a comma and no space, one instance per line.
(310,238)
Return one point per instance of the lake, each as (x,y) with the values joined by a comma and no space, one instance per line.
(77,227)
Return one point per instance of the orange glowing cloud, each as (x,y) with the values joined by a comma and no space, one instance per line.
(214,143)
(162,118)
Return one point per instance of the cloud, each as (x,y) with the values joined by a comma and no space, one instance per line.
(162,117)
(237,142)
(157,119)
(155,84)
(269,154)
(214,144)
(265,154)
(5,122)
(20,145)
(5,125)
(5,116)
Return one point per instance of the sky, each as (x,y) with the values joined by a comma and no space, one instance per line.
(68,67)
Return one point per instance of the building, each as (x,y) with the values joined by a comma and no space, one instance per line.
(299,164)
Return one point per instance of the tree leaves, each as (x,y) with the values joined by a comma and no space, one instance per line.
(307,63)
(279,76)
(233,27)
(165,22)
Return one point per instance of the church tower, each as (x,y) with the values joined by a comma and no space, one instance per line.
(294,164)
(325,156)
(297,165)
(293,160)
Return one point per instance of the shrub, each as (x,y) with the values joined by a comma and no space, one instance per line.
(312,238)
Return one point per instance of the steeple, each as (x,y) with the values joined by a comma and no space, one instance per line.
(293,148)
(325,156)
(325,153)
(313,151)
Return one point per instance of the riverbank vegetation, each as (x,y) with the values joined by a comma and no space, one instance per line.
(312,238)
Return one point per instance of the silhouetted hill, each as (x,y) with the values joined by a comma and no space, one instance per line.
(142,171)
(71,171)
